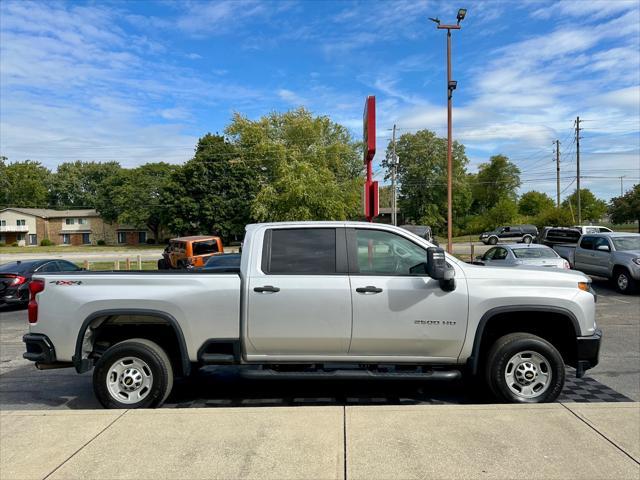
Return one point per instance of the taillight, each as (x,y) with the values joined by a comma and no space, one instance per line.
(35,287)
(16,280)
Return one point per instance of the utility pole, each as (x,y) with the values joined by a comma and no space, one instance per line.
(621,189)
(394,166)
(451,86)
(578,167)
(558,173)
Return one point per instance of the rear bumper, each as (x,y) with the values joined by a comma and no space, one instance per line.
(39,348)
(588,352)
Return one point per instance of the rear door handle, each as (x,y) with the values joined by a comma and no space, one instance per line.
(368,289)
(266,288)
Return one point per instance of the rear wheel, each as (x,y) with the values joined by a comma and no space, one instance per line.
(524,368)
(527,239)
(163,264)
(493,240)
(135,373)
(624,282)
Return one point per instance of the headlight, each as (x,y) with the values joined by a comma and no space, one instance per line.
(636,261)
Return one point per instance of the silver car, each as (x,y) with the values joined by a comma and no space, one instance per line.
(530,255)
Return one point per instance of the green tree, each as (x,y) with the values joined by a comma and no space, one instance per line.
(503,212)
(533,203)
(309,168)
(4,182)
(213,192)
(26,184)
(384,196)
(79,184)
(626,208)
(554,217)
(422,175)
(495,180)
(137,197)
(591,207)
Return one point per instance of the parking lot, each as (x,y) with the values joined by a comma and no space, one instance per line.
(616,378)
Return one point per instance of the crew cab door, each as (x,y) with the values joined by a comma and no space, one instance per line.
(584,256)
(299,300)
(398,310)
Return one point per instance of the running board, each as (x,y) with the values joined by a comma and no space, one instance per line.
(216,359)
(352,374)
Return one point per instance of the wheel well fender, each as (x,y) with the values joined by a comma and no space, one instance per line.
(493,321)
(84,341)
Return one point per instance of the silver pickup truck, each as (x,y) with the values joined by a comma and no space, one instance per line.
(319,299)
(614,255)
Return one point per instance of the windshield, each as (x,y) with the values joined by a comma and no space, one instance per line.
(624,244)
(534,253)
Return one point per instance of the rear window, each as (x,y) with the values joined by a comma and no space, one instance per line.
(302,251)
(205,247)
(534,253)
(562,235)
(15,267)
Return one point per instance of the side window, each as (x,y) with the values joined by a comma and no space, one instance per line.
(587,243)
(385,253)
(599,242)
(309,251)
(605,229)
(489,255)
(500,254)
(49,267)
(65,266)
(205,247)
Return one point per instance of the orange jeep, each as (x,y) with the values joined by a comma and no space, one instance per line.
(194,251)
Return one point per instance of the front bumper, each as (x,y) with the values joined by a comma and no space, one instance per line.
(39,348)
(588,352)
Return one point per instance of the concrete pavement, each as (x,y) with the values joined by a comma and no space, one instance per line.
(373,442)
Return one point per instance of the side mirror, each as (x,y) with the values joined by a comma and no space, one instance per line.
(438,270)
(603,248)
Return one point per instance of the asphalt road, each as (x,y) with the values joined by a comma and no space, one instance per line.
(24,387)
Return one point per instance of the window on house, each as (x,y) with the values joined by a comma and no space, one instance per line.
(3,223)
(86,238)
(33,239)
(66,239)
(82,221)
(122,237)
(21,222)
(69,221)
(20,236)
(142,237)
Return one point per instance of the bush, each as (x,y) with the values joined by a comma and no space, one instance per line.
(555,217)
(15,244)
(101,243)
(45,242)
(2,244)
(151,241)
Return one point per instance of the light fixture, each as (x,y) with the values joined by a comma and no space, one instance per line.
(461,14)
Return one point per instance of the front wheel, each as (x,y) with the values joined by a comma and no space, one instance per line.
(624,282)
(493,240)
(524,368)
(135,373)
(527,239)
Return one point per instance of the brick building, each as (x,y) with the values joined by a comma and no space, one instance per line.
(29,226)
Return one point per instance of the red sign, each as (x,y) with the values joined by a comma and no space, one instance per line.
(369,128)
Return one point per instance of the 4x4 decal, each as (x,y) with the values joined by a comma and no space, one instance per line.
(66,282)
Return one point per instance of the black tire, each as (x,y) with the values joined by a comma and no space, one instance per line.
(163,264)
(624,282)
(498,361)
(148,352)
(492,240)
(527,239)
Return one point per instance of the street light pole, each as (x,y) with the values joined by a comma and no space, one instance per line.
(451,86)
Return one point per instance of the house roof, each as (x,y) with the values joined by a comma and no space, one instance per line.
(51,213)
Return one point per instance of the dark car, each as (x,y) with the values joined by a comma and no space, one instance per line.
(512,233)
(551,236)
(225,263)
(423,231)
(16,276)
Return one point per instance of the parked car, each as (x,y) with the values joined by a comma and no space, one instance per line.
(16,276)
(592,229)
(319,299)
(189,251)
(615,256)
(513,233)
(528,255)
(423,231)
(551,236)
(226,262)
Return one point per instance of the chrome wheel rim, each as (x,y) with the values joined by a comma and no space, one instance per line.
(623,281)
(528,374)
(129,380)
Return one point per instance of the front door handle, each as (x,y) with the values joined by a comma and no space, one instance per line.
(368,289)
(266,288)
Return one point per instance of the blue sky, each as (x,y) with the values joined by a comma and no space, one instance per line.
(141,81)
